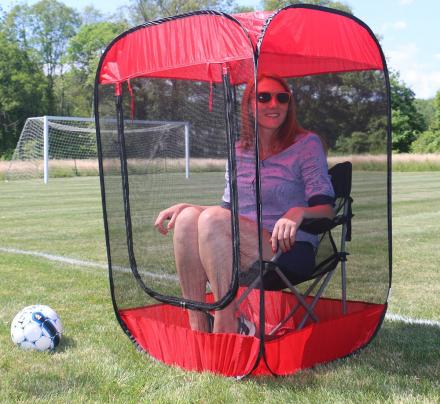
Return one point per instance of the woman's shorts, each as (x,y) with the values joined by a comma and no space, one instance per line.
(297,264)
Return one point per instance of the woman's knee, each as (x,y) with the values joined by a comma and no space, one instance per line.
(187,222)
(214,222)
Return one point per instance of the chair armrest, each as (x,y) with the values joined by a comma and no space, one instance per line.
(319,226)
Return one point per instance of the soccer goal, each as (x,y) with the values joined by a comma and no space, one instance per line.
(57,146)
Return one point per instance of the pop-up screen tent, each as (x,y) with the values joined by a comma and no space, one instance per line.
(168,101)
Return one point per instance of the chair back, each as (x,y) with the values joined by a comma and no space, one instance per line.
(328,255)
(341,177)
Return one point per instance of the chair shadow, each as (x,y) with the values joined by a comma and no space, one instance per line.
(399,349)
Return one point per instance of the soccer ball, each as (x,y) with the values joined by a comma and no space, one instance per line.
(36,327)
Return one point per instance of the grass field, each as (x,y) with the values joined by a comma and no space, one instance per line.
(97,363)
(16,169)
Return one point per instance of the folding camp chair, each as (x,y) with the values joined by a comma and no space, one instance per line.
(341,175)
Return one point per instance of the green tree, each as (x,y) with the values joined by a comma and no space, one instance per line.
(403,133)
(85,48)
(83,53)
(436,121)
(429,140)
(373,141)
(44,30)
(242,9)
(147,10)
(52,24)
(345,108)
(407,122)
(23,92)
(91,15)
(14,26)
(277,4)
(426,109)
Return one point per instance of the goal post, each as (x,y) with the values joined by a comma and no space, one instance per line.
(66,146)
(46,148)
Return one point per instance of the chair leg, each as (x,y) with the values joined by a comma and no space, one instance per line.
(296,293)
(296,307)
(249,289)
(301,301)
(316,298)
(344,288)
(342,249)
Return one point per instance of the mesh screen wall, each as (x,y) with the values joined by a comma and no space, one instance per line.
(157,174)
(349,112)
(144,172)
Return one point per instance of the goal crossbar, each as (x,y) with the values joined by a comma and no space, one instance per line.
(49,122)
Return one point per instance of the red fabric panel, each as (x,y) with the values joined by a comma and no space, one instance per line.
(253,23)
(163,331)
(183,48)
(301,42)
(297,42)
(335,336)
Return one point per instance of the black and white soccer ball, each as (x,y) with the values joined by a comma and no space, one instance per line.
(36,327)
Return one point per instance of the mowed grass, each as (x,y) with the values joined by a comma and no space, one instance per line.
(96,362)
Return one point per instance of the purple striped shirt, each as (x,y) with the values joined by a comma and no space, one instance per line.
(297,176)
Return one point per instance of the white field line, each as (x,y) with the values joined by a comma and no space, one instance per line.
(74,261)
(82,263)
(412,321)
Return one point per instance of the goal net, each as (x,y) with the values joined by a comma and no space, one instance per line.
(51,146)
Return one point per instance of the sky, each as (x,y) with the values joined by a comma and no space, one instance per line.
(409,31)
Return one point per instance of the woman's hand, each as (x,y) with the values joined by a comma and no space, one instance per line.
(170,214)
(284,231)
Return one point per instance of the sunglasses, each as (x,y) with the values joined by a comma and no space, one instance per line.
(265,97)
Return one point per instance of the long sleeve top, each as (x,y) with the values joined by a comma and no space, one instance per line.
(297,176)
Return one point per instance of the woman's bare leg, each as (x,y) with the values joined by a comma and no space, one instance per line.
(189,267)
(215,252)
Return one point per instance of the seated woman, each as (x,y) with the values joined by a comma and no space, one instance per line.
(294,185)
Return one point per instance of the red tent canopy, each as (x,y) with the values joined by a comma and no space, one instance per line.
(303,41)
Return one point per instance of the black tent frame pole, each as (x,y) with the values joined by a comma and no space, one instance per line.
(104,210)
(230,123)
(261,263)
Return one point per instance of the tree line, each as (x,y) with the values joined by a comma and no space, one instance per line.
(49,54)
